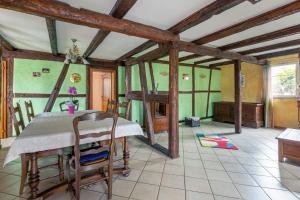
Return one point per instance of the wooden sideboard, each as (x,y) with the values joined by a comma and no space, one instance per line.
(252,113)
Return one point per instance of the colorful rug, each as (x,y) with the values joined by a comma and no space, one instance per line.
(215,141)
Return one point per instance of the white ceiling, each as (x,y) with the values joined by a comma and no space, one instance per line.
(25,31)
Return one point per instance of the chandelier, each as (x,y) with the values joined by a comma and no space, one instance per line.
(73,54)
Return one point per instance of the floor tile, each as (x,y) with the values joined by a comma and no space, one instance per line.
(243,179)
(280,194)
(171,194)
(234,167)
(224,189)
(198,196)
(150,177)
(195,172)
(213,165)
(174,169)
(250,192)
(218,175)
(255,170)
(144,191)
(123,188)
(173,181)
(155,166)
(133,175)
(268,182)
(197,185)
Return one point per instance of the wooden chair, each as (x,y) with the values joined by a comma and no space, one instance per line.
(112,106)
(29,110)
(125,105)
(63,106)
(92,158)
(16,111)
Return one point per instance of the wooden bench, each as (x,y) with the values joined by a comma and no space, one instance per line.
(289,145)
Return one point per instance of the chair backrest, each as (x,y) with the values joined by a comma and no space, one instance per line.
(112,106)
(29,110)
(95,116)
(16,111)
(63,107)
(126,105)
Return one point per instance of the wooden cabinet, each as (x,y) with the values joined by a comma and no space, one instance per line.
(160,116)
(252,113)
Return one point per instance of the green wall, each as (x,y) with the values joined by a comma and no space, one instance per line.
(185,100)
(24,82)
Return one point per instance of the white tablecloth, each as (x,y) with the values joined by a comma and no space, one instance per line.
(54,130)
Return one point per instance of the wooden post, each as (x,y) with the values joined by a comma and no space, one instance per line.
(128,86)
(87,87)
(173,103)
(56,88)
(193,90)
(152,76)
(237,97)
(10,95)
(147,108)
(208,93)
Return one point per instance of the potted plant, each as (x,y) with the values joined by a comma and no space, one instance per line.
(71,104)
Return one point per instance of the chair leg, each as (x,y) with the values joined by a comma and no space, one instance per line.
(61,167)
(25,166)
(109,182)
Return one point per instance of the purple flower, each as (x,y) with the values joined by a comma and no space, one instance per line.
(72,90)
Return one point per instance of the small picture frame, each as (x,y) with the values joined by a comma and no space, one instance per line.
(36,74)
(46,70)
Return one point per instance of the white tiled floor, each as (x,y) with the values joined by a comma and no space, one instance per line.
(252,172)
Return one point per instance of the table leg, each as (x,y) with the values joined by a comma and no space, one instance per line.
(34,177)
(125,156)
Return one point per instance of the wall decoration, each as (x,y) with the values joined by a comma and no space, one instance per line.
(75,78)
(164,73)
(46,70)
(36,74)
(185,77)
(243,81)
(202,76)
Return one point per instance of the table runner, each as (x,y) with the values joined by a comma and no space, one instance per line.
(55,130)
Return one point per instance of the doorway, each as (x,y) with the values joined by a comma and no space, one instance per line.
(102,88)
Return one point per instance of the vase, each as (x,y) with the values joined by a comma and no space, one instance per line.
(71,109)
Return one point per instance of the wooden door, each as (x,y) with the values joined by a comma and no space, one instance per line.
(106,91)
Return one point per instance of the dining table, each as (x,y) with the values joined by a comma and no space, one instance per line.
(54,130)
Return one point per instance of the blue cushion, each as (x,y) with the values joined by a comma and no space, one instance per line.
(93,157)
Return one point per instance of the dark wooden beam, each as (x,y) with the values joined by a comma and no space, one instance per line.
(5,44)
(51,26)
(40,95)
(207,60)
(237,97)
(173,103)
(64,12)
(203,50)
(196,18)
(193,90)
(264,18)
(152,55)
(255,40)
(119,10)
(278,54)
(208,94)
(87,87)
(147,108)
(152,76)
(128,86)
(204,14)
(56,89)
(9,95)
(272,47)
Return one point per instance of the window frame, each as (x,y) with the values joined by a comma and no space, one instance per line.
(297,81)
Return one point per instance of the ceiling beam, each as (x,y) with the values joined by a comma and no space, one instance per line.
(267,17)
(257,50)
(51,26)
(254,40)
(196,18)
(64,12)
(203,50)
(119,10)
(279,53)
(5,44)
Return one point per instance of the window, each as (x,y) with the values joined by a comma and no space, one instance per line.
(284,80)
